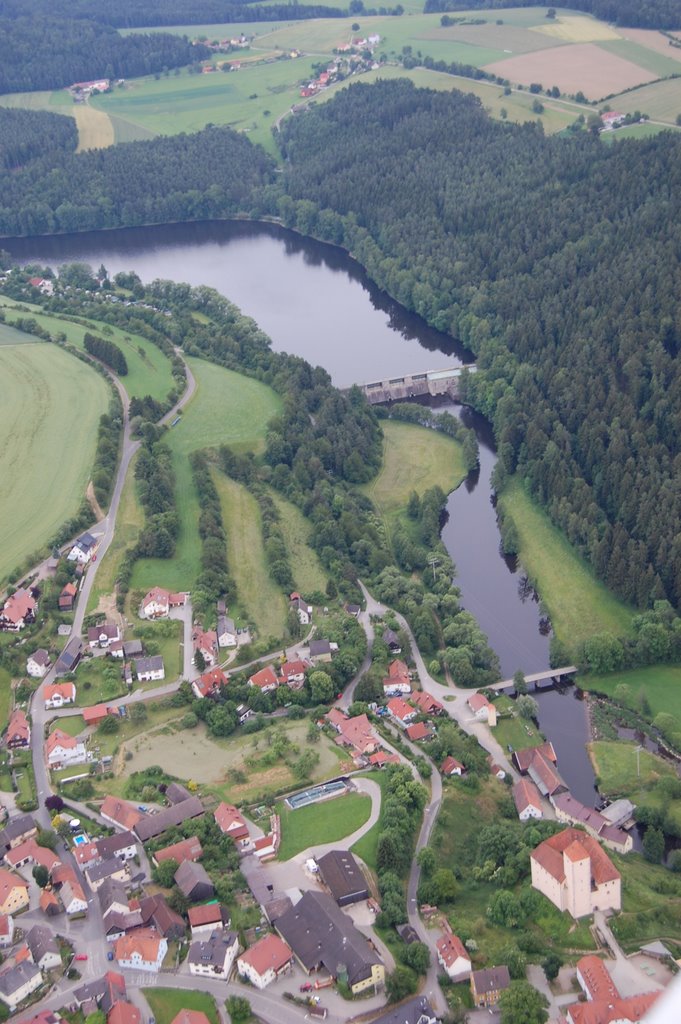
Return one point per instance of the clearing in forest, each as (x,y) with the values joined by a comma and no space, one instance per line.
(95,130)
(50,404)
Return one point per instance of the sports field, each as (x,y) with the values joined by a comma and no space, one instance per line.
(321,823)
(50,404)
(227,408)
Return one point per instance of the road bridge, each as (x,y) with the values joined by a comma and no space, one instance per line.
(555,674)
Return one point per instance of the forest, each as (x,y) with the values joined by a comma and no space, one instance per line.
(556,262)
(51,51)
(664,14)
(26,134)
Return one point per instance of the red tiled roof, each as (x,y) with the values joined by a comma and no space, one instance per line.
(265,677)
(523,758)
(18,606)
(399,708)
(18,728)
(190,1017)
(269,953)
(186,849)
(419,731)
(123,1013)
(549,855)
(67,691)
(450,947)
(145,941)
(476,701)
(604,1011)
(293,668)
(426,702)
(598,982)
(229,820)
(59,738)
(450,764)
(526,794)
(210,913)
(120,811)
(97,713)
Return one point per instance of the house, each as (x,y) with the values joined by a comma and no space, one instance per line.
(208,918)
(17,831)
(67,662)
(604,1003)
(142,950)
(49,903)
(356,733)
(148,669)
(123,1013)
(401,712)
(487,985)
(523,758)
(265,680)
(155,913)
(18,610)
(84,549)
(114,869)
(230,821)
(29,852)
(545,777)
(18,735)
(63,750)
(67,597)
(226,632)
(6,930)
(380,759)
(265,961)
(418,732)
(38,663)
(426,704)
(97,713)
(571,811)
(214,957)
(190,1017)
(18,982)
(495,769)
(302,609)
(194,882)
(353,609)
(322,936)
(104,635)
(73,899)
(482,709)
(43,947)
(122,845)
(343,877)
(42,284)
(322,650)
(120,813)
(205,643)
(186,849)
(157,603)
(396,686)
(209,683)
(104,992)
(450,766)
(527,800)
(575,874)
(243,713)
(266,848)
(292,674)
(57,695)
(453,958)
(151,825)
(392,641)
(415,1011)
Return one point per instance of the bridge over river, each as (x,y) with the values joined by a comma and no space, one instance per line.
(415,385)
(554,674)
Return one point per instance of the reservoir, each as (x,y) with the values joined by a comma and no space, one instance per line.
(313,300)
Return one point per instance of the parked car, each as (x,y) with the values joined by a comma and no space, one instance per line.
(307,987)
(80,956)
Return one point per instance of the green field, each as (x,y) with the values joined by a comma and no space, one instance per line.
(637,131)
(660,100)
(50,404)
(307,569)
(414,459)
(166,1003)
(662,685)
(615,764)
(517,731)
(644,57)
(651,903)
(321,823)
(261,601)
(367,847)
(226,408)
(148,368)
(129,522)
(579,606)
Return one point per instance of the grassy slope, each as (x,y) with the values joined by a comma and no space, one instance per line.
(260,599)
(662,684)
(166,1003)
(578,604)
(129,522)
(226,408)
(615,763)
(661,100)
(50,404)
(307,569)
(367,847)
(5,697)
(321,823)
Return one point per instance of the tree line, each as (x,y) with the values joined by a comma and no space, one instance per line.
(107,351)
(27,134)
(47,50)
(634,13)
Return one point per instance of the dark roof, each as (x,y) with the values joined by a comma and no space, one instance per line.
(343,876)
(110,893)
(415,1011)
(96,872)
(492,979)
(277,907)
(152,664)
(318,647)
(104,991)
(40,940)
(320,934)
(176,793)
(13,979)
(69,657)
(155,911)
(16,827)
(132,647)
(152,825)
(189,875)
(111,845)
(213,951)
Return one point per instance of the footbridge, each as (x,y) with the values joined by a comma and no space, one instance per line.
(415,385)
(554,674)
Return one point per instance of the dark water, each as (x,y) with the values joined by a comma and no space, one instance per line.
(563,720)
(316,302)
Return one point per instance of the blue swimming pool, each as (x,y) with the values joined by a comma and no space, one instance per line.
(80,840)
(312,796)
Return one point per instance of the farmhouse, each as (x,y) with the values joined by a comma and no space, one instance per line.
(205,643)
(482,709)
(120,813)
(204,920)
(356,733)
(148,669)
(302,609)
(18,733)
(67,597)
(156,913)
(226,632)
(18,611)
(103,635)
(265,680)
(158,603)
(67,662)
(142,950)
(452,956)
(265,961)
(38,663)
(209,683)
(524,758)
(545,777)
(230,821)
(575,874)
(214,957)
(527,800)
(84,549)
(63,750)
(57,695)
(487,985)
(343,877)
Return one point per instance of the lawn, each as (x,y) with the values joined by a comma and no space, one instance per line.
(163,637)
(651,903)
(261,600)
(98,680)
(307,569)
(578,605)
(148,368)
(50,404)
(72,725)
(662,685)
(367,847)
(414,459)
(129,522)
(226,408)
(517,731)
(615,764)
(166,1003)
(638,131)
(321,823)
(5,697)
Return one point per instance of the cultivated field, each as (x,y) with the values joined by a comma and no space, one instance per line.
(308,572)
(50,404)
(652,40)
(579,606)
(260,600)
(662,100)
(227,408)
(95,130)
(578,28)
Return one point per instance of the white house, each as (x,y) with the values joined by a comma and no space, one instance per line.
(483,710)
(103,635)
(205,641)
(265,961)
(302,609)
(214,957)
(73,898)
(38,663)
(141,950)
(575,874)
(63,750)
(18,982)
(527,800)
(43,948)
(158,602)
(452,956)
(148,669)
(57,695)
(84,549)
(6,930)
(226,631)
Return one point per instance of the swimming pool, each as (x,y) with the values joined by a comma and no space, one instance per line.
(312,796)
(80,840)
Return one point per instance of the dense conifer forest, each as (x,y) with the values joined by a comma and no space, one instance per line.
(27,134)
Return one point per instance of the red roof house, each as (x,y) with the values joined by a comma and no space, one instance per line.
(265,680)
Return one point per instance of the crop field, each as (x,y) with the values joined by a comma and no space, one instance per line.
(576,29)
(95,130)
(50,404)
(414,459)
(651,40)
(579,606)
(660,64)
(260,600)
(662,100)
(227,408)
(308,572)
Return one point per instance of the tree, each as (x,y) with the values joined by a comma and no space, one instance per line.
(138,712)
(96,1017)
(321,687)
(238,1008)
(400,984)
(519,681)
(417,956)
(522,1004)
(527,707)
(54,803)
(653,845)
(199,661)
(444,886)
(41,875)
(109,725)
(47,838)
(164,873)
(427,861)
(504,909)
(551,965)
(551,13)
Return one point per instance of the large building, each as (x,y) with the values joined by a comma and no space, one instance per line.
(604,1003)
(575,874)
(343,877)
